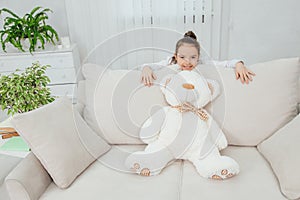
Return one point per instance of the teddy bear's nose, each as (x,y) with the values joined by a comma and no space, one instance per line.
(188,86)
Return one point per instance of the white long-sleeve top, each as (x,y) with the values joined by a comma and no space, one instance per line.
(203,60)
(214,84)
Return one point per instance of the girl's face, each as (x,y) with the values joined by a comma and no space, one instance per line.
(187,56)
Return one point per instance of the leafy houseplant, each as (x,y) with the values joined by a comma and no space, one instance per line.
(32,27)
(25,91)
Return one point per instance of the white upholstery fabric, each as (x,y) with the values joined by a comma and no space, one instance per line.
(255,180)
(299,93)
(251,113)
(81,92)
(117,103)
(28,180)
(102,182)
(7,163)
(299,88)
(282,152)
(60,139)
(3,193)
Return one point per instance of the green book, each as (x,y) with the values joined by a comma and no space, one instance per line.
(15,144)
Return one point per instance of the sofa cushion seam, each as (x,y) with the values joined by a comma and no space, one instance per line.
(180,180)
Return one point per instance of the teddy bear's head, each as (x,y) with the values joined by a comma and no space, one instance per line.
(186,86)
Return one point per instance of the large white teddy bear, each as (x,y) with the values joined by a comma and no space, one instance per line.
(184,130)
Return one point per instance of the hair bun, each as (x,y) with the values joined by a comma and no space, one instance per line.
(190,34)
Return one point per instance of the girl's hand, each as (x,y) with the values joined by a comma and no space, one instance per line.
(242,73)
(147,76)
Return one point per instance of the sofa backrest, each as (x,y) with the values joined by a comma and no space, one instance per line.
(251,113)
(117,104)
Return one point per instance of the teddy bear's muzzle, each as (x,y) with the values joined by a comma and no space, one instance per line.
(188,86)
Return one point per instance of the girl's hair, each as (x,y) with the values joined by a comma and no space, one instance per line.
(190,34)
(188,38)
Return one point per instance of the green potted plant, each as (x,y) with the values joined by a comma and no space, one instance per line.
(22,92)
(32,27)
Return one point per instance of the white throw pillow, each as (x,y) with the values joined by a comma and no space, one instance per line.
(282,152)
(60,139)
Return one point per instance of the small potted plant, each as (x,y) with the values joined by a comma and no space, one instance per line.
(22,92)
(32,27)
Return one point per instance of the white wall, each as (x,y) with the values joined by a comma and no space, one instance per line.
(256,30)
(103,21)
(57,19)
(260,30)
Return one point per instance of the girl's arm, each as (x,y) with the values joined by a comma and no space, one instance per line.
(225,63)
(147,76)
(241,71)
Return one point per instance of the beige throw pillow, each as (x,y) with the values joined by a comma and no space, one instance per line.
(282,152)
(60,139)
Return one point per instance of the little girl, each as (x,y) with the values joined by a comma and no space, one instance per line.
(187,55)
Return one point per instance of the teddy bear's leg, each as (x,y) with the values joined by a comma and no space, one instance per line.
(221,143)
(215,166)
(217,135)
(150,130)
(151,161)
(159,153)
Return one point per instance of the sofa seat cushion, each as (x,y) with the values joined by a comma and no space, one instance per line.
(255,180)
(101,181)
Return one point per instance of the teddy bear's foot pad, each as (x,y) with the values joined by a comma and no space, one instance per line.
(145,172)
(223,174)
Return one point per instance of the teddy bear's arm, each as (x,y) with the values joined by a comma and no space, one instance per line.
(151,128)
(214,88)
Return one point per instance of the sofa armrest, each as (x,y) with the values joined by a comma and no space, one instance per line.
(28,180)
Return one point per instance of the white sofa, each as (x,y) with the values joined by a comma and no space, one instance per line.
(254,117)
(7,164)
